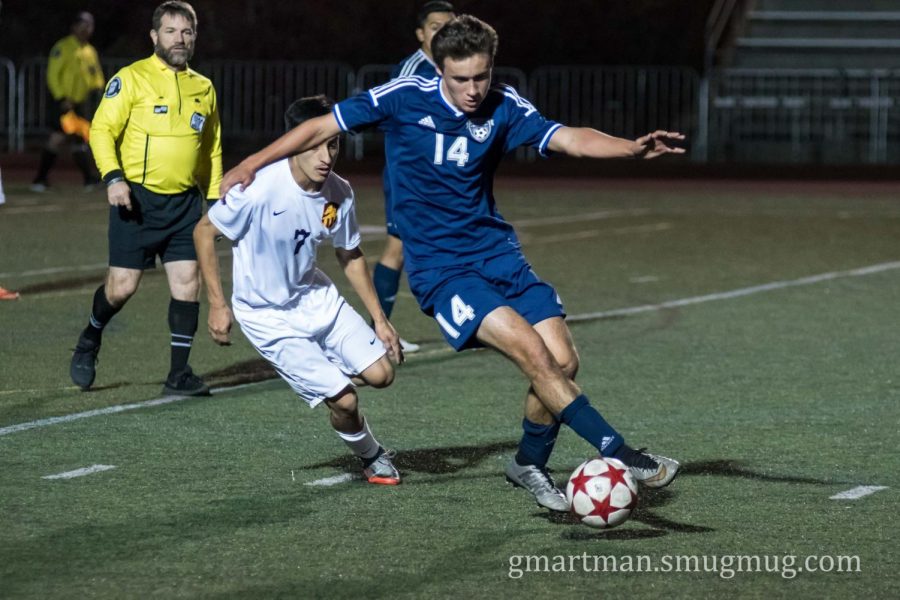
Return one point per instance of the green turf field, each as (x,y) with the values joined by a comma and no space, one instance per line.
(775,398)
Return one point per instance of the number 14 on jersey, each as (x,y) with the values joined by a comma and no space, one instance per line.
(458,151)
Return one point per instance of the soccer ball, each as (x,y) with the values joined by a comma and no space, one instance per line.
(602,492)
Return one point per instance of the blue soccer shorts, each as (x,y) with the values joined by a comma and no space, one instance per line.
(459,297)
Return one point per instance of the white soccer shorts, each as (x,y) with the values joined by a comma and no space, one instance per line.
(316,345)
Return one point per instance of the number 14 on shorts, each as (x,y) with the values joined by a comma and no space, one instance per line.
(460,314)
(460,311)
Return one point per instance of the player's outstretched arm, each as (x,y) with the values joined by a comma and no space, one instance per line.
(307,135)
(357,271)
(220,317)
(584,142)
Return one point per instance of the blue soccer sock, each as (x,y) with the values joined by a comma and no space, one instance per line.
(536,443)
(587,422)
(387,282)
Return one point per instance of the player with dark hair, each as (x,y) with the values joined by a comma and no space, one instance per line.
(73,76)
(445,138)
(290,310)
(157,140)
(431,17)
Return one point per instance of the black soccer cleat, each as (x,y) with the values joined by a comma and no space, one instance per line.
(185,383)
(83,368)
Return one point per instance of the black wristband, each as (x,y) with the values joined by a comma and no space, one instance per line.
(114,176)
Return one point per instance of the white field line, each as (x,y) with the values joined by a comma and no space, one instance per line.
(69,269)
(370,231)
(776,285)
(747,291)
(80,472)
(330,481)
(52,270)
(109,410)
(858,492)
(49,208)
(592,233)
(580,217)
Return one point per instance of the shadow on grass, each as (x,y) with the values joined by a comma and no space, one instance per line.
(649,499)
(453,460)
(436,461)
(74,283)
(247,371)
(735,468)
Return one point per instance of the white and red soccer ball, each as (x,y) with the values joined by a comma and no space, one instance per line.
(602,492)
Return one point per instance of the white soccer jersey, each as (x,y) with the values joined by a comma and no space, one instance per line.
(276,228)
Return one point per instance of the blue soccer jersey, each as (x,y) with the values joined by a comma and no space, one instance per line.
(419,64)
(441,164)
(416,63)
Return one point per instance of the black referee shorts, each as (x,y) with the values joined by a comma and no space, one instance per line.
(157,225)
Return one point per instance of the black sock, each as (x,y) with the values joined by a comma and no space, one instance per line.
(48,159)
(102,313)
(183,317)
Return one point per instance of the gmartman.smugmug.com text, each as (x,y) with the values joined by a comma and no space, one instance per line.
(726,566)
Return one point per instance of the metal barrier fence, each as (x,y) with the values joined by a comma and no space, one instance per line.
(32,96)
(252,95)
(823,116)
(8,102)
(622,101)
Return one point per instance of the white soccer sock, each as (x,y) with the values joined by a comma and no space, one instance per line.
(362,444)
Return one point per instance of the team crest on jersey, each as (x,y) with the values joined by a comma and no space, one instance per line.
(114,87)
(480,131)
(329,215)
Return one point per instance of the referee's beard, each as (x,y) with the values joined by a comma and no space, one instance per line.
(174,56)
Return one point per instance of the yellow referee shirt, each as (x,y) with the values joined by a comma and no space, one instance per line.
(73,70)
(159,128)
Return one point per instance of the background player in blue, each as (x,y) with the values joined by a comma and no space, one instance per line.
(445,138)
(431,17)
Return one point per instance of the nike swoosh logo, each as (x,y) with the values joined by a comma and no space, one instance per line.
(278,212)
(372,343)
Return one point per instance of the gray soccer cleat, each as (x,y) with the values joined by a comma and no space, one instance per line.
(656,471)
(382,471)
(539,483)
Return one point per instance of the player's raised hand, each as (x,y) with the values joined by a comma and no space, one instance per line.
(119,194)
(241,174)
(388,336)
(219,323)
(658,143)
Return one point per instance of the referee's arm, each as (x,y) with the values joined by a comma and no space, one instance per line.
(110,119)
(209,169)
(55,65)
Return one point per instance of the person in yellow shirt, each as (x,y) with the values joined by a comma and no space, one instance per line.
(157,142)
(73,75)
